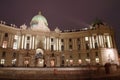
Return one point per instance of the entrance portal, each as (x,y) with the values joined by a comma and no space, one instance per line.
(39,61)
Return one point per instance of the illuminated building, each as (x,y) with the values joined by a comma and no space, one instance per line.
(37,46)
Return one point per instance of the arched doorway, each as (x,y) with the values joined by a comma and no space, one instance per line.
(39,58)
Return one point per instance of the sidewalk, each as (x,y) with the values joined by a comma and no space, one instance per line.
(114,75)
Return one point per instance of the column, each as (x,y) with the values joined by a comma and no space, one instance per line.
(22,41)
(48,43)
(31,39)
(90,40)
(93,41)
(75,44)
(1,41)
(33,42)
(111,42)
(8,45)
(12,38)
(18,42)
(20,46)
(98,40)
(25,40)
(45,43)
(66,44)
(57,43)
(83,43)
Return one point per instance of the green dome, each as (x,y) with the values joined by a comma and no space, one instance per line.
(38,18)
(39,23)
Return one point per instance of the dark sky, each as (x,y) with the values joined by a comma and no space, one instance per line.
(65,14)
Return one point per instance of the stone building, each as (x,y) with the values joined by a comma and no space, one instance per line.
(38,46)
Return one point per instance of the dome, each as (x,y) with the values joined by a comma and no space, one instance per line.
(39,22)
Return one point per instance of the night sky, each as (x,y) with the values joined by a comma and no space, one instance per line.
(65,14)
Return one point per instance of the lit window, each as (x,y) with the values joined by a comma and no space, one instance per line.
(14,61)
(87,60)
(79,61)
(97,60)
(15,42)
(52,62)
(4,44)
(86,38)
(2,61)
(71,62)
(67,60)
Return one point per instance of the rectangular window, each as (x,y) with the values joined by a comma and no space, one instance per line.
(86,38)
(6,34)
(62,48)
(70,40)
(52,39)
(14,62)
(96,54)
(96,45)
(79,55)
(2,61)
(97,60)
(87,46)
(62,40)
(88,55)
(52,47)
(79,61)
(88,61)
(27,46)
(70,47)
(4,44)
(4,54)
(106,44)
(28,37)
(53,55)
(15,40)
(14,55)
(78,39)
(79,47)
(71,56)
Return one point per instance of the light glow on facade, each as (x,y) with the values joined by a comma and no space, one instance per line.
(97,42)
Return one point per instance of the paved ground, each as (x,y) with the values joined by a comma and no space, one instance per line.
(58,74)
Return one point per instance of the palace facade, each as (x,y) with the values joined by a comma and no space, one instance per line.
(37,46)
